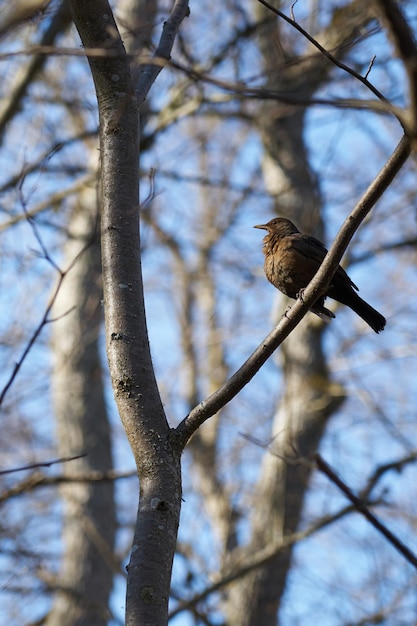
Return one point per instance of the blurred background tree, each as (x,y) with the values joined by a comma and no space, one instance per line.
(216,161)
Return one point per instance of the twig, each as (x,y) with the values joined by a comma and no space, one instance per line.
(38,480)
(22,468)
(381,470)
(44,321)
(40,163)
(53,200)
(45,318)
(292,10)
(32,222)
(370,66)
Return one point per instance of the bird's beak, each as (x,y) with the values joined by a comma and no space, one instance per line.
(263,226)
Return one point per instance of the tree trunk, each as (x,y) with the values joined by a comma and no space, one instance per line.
(309,397)
(86,576)
(133,379)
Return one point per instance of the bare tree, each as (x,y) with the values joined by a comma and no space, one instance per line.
(254,489)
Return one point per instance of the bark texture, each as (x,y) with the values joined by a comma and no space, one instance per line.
(131,370)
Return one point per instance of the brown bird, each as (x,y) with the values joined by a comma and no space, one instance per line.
(291,261)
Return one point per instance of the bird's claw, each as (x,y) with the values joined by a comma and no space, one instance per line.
(300,295)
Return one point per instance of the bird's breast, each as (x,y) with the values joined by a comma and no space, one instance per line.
(287,269)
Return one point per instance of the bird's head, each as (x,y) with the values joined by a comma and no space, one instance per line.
(279,226)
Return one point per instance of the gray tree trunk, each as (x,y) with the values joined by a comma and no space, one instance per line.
(156,451)
(85,580)
(89,513)
(309,396)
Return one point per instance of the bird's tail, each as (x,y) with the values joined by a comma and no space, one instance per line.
(370,315)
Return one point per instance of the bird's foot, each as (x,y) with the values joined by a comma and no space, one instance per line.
(300,294)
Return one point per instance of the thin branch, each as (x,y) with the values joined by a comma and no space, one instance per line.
(317,287)
(362,508)
(51,51)
(405,44)
(324,52)
(51,201)
(38,480)
(17,13)
(242,91)
(150,71)
(379,106)
(58,24)
(292,10)
(212,183)
(22,468)
(45,320)
(370,66)
(40,163)
(381,470)
(410,242)
(35,230)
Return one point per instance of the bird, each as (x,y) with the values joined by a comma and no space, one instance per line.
(292,259)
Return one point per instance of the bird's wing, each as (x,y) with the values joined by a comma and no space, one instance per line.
(314,252)
(310,248)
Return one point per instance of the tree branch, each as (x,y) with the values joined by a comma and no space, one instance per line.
(26,75)
(46,319)
(405,44)
(362,508)
(150,71)
(325,52)
(260,558)
(382,106)
(23,468)
(37,480)
(317,287)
